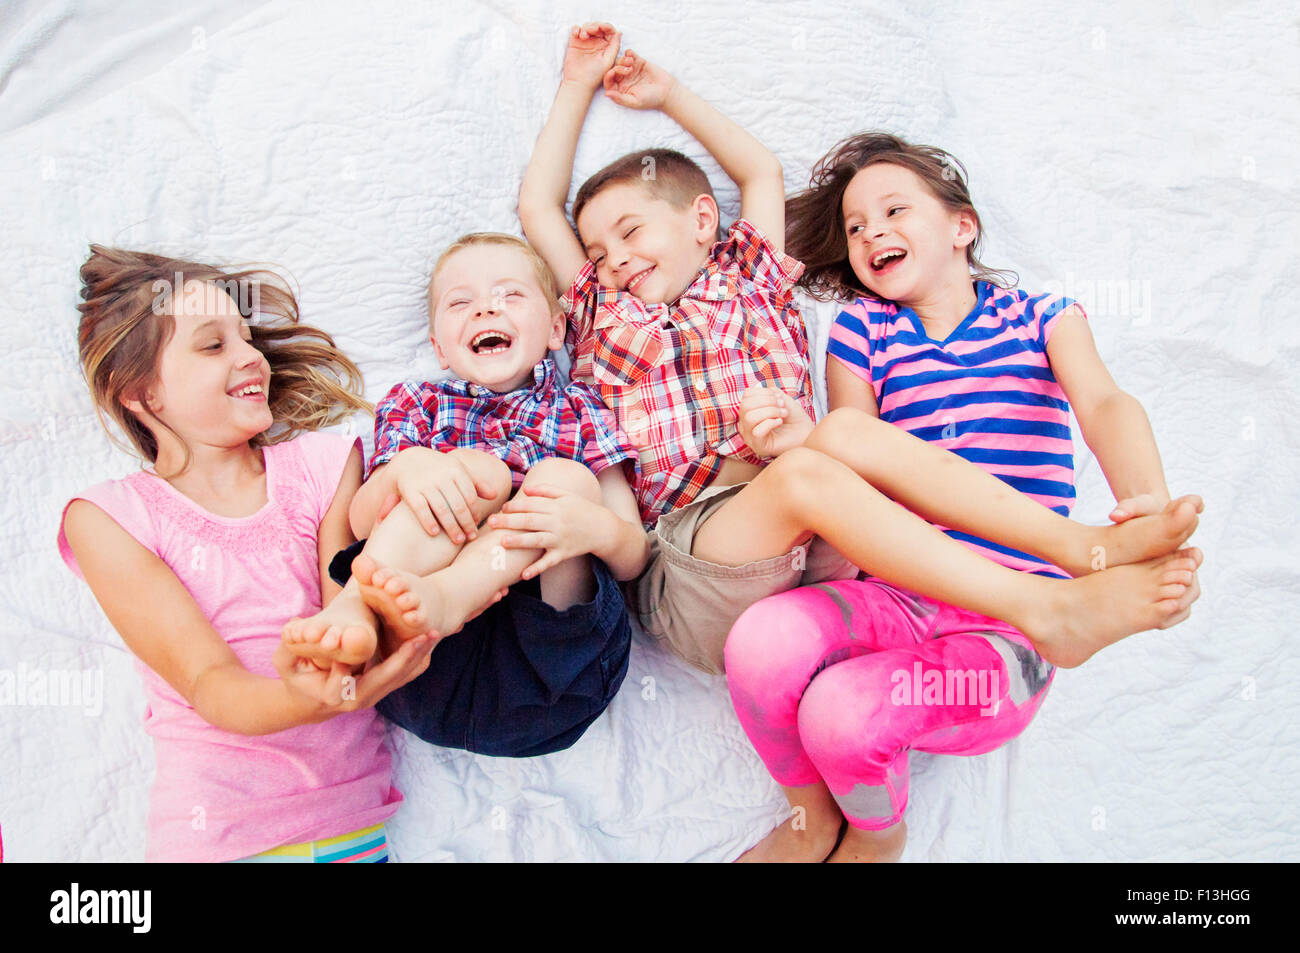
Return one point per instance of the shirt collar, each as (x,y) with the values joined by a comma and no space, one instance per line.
(543,379)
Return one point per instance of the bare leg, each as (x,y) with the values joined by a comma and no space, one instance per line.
(346,630)
(808,836)
(441,602)
(863,847)
(945,489)
(805,492)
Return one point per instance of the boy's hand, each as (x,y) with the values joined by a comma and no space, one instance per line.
(439,490)
(771,421)
(592,49)
(562,523)
(636,83)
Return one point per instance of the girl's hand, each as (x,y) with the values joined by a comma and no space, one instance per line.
(549,518)
(1145,504)
(771,421)
(637,84)
(337,690)
(592,49)
(439,490)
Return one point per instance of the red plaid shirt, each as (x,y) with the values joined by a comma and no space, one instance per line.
(673,373)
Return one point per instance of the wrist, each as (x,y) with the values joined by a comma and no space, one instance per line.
(673,96)
(571,86)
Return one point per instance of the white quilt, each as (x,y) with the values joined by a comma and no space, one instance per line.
(1141,157)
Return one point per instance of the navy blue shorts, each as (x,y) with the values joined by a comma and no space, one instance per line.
(523,678)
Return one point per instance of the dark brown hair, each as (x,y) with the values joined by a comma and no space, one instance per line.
(126,321)
(814,218)
(665,173)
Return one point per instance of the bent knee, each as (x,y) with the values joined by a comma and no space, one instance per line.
(780,639)
(843,426)
(488,470)
(567,475)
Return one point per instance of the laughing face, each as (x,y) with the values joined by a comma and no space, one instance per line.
(645,245)
(491,321)
(212,383)
(902,240)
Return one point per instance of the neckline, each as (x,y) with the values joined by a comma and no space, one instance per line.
(192,504)
(982,289)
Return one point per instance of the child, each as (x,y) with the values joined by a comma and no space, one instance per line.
(531,673)
(825,680)
(226,536)
(670,326)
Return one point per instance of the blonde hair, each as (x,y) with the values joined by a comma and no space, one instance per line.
(545,280)
(125,325)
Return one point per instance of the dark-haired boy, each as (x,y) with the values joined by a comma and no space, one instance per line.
(670,326)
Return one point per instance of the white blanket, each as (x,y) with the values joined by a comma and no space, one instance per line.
(1143,159)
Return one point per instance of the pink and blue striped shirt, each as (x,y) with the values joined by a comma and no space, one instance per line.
(987,392)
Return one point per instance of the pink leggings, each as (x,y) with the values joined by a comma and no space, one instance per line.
(837,682)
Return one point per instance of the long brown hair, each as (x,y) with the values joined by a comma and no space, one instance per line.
(124,329)
(814,218)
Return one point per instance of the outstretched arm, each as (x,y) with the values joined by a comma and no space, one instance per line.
(590,53)
(639,84)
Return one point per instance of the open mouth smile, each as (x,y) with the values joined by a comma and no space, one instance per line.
(253,391)
(490,342)
(887,260)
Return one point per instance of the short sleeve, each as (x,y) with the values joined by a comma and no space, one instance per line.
(768,268)
(401,421)
(1048,310)
(850,339)
(126,508)
(580,302)
(604,444)
(323,458)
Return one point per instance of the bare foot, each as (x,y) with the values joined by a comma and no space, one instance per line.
(866,847)
(344,631)
(410,605)
(1071,621)
(809,844)
(1140,538)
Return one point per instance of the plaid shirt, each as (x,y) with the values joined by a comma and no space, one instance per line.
(673,374)
(522,427)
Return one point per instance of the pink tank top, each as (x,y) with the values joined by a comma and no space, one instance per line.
(221,796)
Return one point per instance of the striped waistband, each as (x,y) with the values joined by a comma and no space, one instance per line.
(366,846)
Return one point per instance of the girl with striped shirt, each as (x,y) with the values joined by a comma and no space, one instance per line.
(836,683)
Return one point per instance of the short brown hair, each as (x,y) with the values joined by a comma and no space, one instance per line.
(125,326)
(545,280)
(665,173)
(814,218)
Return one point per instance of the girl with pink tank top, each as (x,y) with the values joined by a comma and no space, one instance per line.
(200,560)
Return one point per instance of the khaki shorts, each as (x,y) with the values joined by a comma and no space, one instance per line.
(689,605)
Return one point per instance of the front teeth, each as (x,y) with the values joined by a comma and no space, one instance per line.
(885,256)
(250,389)
(484,335)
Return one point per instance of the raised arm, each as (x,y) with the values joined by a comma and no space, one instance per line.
(638,84)
(590,53)
(170,634)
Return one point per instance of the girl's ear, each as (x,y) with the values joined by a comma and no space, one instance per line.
(140,408)
(964,229)
(705,211)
